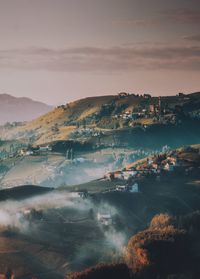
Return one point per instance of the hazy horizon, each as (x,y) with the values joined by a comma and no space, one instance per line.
(60,51)
(98,95)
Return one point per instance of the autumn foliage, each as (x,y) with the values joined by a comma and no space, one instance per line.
(161,220)
(168,249)
(103,271)
(161,250)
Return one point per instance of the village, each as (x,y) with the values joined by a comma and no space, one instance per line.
(156,166)
(159,167)
(123,111)
(159,111)
(130,111)
(168,164)
(108,139)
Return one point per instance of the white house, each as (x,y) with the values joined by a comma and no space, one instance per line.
(155,166)
(119,175)
(173,161)
(45,148)
(29,152)
(24,152)
(83,195)
(79,160)
(27,212)
(134,188)
(169,167)
(128,173)
(121,188)
(150,162)
(104,219)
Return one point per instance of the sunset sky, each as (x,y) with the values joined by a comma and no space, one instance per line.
(60,50)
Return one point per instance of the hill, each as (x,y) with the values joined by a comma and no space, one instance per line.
(174,192)
(64,226)
(94,118)
(167,249)
(22,192)
(13,109)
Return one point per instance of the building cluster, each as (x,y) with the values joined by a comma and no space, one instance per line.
(125,94)
(195,114)
(129,179)
(104,219)
(35,151)
(133,188)
(87,132)
(155,166)
(25,151)
(63,107)
(158,111)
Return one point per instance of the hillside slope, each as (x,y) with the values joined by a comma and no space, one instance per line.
(63,226)
(104,114)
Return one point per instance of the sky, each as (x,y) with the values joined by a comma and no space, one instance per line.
(57,51)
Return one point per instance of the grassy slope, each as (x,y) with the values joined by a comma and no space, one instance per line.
(76,110)
(61,122)
(81,109)
(22,192)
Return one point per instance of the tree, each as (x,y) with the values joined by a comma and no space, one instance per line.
(158,251)
(161,220)
(103,271)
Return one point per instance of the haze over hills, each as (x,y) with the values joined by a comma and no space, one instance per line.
(46,151)
(13,109)
(60,224)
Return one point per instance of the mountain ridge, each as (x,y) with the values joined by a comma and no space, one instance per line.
(105,114)
(20,109)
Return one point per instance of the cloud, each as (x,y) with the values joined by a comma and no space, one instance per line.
(184,16)
(192,38)
(102,60)
(181,16)
(136,23)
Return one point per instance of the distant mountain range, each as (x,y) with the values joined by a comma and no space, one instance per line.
(13,109)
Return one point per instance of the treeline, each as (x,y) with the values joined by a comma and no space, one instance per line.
(168,249)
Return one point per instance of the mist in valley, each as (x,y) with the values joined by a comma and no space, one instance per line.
(54,170)
(63,223)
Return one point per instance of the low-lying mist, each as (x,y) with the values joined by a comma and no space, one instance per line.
(65,217)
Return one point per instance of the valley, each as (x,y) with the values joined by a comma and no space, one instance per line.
(74,190)
(60,229)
